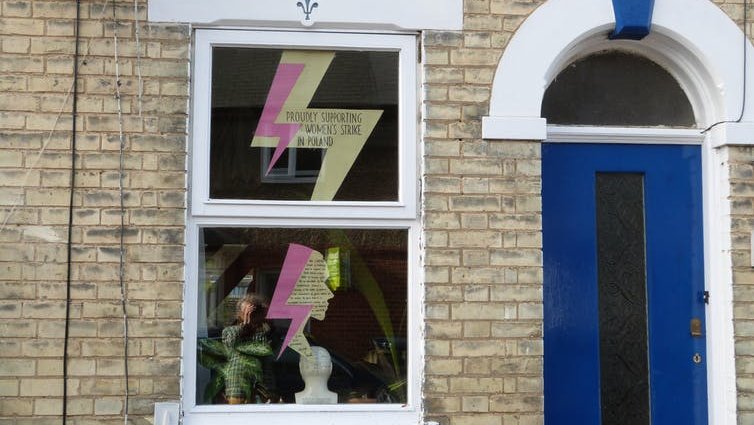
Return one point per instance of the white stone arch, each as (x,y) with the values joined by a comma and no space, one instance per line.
(703,49)
(693,39)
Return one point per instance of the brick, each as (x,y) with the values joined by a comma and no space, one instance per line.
(482,23)
(443,184)
(476,167)
(475,404)
(442,147)
(476,257)
(511,7)
(444,366)
(472,329)
(517,365)
(475,385)
(12,120)
(474,238)
(444,257)
(444,293)
(515,403)
(511,24)
(475,57)
(16,406)
(444,329)
(474,220)
(516,257)
(436,275)
(17,26)
(41,387)
(443,112)
(475,203)
(16,44)
(108,406)
(443,38)
(481,275)
(436,384)
(8,387)
(479,75)
(475,293)
(17,8)
(444,75)
(433,348)
(516,221)
(465,129)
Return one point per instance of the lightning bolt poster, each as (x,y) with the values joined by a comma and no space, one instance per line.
(301,292)
(287,122)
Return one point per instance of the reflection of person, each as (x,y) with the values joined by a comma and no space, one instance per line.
(315,370)
(250,326)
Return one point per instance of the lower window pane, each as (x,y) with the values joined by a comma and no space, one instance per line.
(276,304)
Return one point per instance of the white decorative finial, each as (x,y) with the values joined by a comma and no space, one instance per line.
(307,7)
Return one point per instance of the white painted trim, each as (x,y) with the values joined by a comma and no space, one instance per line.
(702,48)
(695,35)
(517,128)
(340,414)
(204,212)
(625,135)
(402,15)
(718,270)
(735,133)
(203,205)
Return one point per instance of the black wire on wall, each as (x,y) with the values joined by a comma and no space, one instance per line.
(69,245)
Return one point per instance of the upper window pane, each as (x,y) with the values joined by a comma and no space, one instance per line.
(300,125)
(616,88)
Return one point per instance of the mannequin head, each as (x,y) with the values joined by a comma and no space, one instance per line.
(319,365)
(315,370)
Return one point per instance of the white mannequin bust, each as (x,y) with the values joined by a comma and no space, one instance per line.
(315,371)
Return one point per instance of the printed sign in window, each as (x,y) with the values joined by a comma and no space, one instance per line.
(304,125)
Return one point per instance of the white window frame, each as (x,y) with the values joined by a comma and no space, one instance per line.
(405,45)
(205,212)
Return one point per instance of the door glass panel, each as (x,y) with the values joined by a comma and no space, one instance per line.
(618,89)
(622,295)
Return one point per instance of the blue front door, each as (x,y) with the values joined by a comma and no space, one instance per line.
(624,292)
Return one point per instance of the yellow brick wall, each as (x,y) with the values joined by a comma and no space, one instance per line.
(741,174)
(482,225)
(481,203)
(36,76)
(483,234)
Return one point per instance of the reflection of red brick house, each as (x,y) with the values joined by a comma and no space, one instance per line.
(452,180)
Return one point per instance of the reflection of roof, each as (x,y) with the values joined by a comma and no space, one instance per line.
(270,241)
(363,78)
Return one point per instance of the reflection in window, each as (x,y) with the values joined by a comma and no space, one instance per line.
(354,280)
(294,166)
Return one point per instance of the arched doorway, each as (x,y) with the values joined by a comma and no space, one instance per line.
(624,311)
(701,49)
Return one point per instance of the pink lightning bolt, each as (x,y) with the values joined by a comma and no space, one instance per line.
(293,266)
(282,85)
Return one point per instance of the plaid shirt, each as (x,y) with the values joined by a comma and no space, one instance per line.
(239,380)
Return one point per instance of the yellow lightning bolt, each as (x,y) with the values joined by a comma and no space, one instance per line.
(341,132)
